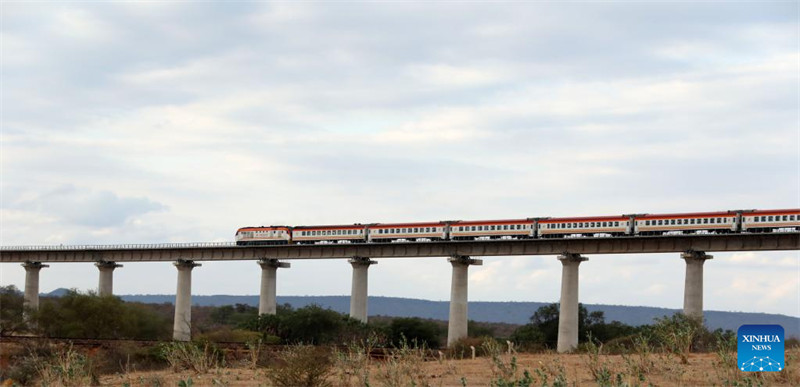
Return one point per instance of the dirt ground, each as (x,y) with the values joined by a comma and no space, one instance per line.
(545,369)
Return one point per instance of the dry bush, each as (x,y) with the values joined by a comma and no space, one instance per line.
(65,367)
(353,363)
(190,355)
(405,366)
(301,365)
(461,349)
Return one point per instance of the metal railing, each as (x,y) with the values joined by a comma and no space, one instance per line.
(136,246)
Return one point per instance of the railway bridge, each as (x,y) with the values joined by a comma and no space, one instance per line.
(693,249)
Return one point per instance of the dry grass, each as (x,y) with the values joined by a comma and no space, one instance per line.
(569,370)
(406,366)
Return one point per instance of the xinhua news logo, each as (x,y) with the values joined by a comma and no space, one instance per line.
(760,348)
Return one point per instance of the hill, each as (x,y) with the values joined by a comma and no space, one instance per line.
(504,312)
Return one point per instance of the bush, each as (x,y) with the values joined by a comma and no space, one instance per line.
(77,315)
(308,325)
(11,320)
(227,335)
(461,348)
(302,365)
(191,355)
(414,330)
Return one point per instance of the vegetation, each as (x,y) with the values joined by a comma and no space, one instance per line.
(11,320)
(542,332)
(322,347)
(77,315)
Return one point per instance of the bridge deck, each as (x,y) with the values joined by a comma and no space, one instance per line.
(484,248)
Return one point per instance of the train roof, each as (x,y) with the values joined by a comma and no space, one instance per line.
(583,218)
(332,226)
(497,221)
(688,215)
(409,224)
(773,212)
(255,228)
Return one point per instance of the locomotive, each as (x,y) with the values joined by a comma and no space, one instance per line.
(720,222)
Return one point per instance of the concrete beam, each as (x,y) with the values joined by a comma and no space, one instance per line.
(693,286)
(267,301)
(182,325)
(526,247)
(30,301)
(358,292)
(105,285)
(568,306)
(459,289)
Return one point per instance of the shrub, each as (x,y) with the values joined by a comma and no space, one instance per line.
(191,355)
(414,330)
(227,335)
(77,315)
(461,349)
(301,365)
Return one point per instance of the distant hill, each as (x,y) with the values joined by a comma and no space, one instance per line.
(505,312)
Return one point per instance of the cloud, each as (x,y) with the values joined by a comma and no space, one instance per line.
(84,207)
(181,122)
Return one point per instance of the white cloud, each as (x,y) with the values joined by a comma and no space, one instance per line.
(188,121)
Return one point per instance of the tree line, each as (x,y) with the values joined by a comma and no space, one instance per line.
(87,315)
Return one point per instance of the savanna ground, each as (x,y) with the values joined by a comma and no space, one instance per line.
(192,364)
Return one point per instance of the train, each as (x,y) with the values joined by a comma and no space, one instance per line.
(719,222)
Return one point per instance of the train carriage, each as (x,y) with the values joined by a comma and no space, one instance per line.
(350,233)
(584,226)
(389,232)
(263,235)
(660,224)
(771,220)
(492,229)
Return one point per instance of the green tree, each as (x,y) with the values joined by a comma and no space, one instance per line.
(308,325)
(543,328)
(11,301)
(77,315)
(414,330)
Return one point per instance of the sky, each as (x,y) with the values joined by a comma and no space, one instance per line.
(147,122)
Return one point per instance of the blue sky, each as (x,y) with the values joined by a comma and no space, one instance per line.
(137,122)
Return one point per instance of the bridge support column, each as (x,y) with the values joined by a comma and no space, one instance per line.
(30,302)
(568,307)
(457,323)
(358,292)
(105,286)
(267,301)
(182,326)
(693,287)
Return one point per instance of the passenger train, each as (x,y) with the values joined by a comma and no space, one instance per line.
(737,221)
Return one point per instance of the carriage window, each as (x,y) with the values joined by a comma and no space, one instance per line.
(769,218)
(791,217)
(785,218)
(471,228)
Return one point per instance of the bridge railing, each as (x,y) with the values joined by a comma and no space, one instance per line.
(136,246)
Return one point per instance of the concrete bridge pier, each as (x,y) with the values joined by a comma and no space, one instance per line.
(182,326)
(106,283)
(693,287)
(358,292)
(568,307)
(31,298)
(267,301)
(457,323)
